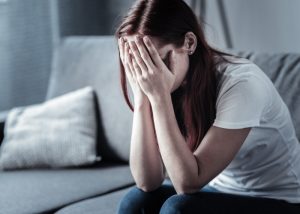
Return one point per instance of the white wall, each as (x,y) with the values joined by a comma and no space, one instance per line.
(259,25)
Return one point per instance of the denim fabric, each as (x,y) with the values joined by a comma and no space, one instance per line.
(165,200)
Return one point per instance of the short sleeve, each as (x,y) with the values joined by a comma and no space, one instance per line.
(242,104)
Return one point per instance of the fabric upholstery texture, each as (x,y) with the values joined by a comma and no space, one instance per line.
(94,61)
(45,191)
(105,204)
(60,132)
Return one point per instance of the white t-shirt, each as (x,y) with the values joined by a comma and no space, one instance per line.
(268,163)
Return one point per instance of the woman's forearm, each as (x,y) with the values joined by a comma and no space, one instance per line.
(180,162)
(145,161)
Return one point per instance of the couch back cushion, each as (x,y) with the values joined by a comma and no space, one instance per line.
(93,60)
(284,71)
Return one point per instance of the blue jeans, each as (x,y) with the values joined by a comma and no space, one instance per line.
(165,200)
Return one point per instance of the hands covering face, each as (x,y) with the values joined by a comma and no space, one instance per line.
(146,67)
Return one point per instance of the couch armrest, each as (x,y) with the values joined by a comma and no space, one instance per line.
(3,116)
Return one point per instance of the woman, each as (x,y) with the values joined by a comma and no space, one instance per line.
(214,122)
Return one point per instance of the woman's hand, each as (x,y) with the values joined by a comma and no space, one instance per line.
(154,77)
(139,97)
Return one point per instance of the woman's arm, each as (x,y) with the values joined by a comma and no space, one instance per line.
(145,161)
(190,171)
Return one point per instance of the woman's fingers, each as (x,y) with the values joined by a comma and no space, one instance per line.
(144,53)
(136,67)
(127,62)
(137,57)
(153,52)
(121,48)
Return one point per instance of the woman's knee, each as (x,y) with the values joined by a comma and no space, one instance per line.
(176,204)
(132,200)
(136,200)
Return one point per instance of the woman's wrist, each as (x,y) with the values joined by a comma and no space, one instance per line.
(142,102)
(159,100)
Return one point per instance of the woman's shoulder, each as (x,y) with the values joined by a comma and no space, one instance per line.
(242,72)
(235,68)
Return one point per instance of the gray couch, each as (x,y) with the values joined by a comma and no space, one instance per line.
(81,61)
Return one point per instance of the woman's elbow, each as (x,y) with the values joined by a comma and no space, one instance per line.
(149,188)
(187,187)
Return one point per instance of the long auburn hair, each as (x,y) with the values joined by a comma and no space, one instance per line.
(194,102)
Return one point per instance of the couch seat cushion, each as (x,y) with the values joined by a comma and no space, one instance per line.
(47,190)
(105,204)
